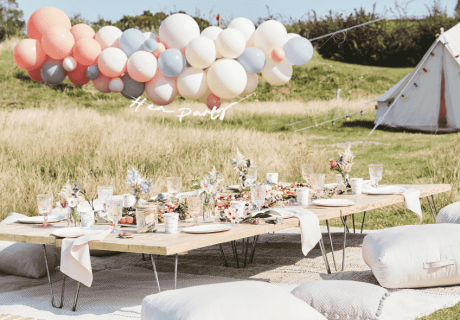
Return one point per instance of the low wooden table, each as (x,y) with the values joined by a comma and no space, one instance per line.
(160,243)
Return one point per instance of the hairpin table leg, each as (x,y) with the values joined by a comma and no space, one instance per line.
(51,286)
(344,220)
(434,205)
(223,255)
(353,217)
(332,246)
(254,243)
(235,253)
(175,272)
(432,212)
(246,253)
(76,297)
(155,271)
(362,224)
(323,252)
(143,257)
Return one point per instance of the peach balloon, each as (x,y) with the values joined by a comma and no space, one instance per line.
(28,54)
(160,49)
(43,19)
(278,54)
(86,51)
(78,76)
(102,83)
(82,31)
(112,62)
(57,42)
(36,75)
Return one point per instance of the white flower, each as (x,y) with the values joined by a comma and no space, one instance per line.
(73,202)
(66,191)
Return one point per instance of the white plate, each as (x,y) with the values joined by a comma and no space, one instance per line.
(41,219)
(75,232)
(386,190)
(335,202)
(235,187)
(209,228)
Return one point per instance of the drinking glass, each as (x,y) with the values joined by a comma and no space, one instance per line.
(307,171)
(104,193)
(195,207)
(376,171)
(258,194)
(114,212)
(317,182)
(252,175)
(174,184)
(45,205)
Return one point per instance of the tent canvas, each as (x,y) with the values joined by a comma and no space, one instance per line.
(428,98)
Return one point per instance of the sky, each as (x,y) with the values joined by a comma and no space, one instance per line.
(115,9)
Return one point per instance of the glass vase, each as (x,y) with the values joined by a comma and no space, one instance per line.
(209,210)
(346,178)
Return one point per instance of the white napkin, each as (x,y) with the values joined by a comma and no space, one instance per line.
(411,197)
(75,258)
(309,226)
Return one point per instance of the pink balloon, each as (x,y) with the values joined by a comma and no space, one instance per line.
(161,47)
(82,31)
(161,90)
(57,42)
(86,51)
(213,101)
(43,19)
(102,83)
(78,76)
(278,54)
(28,54)
(36,75)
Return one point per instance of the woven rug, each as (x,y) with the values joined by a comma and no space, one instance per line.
(122,281)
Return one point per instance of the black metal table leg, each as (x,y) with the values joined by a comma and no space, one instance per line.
(353,217)
(223,255)
(76,298)
(254,243)
(51,286)
(332,246)
(344,220)
(323,252)
(362,223)
(432,212)
(155,271)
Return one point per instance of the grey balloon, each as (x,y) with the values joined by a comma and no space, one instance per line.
(53,72)
(93,72)
(132,89)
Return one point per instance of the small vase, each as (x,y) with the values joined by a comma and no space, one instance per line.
(209,210)
(347,181)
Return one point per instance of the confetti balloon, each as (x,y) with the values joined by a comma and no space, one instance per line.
(43,19)
(106,36)
(28,54)
(53,72)
(201,52)
(226,78)
(86,51)
(116,85)
(192,84)
(252,60)
(102,83)
(161,90)
(93,72)
(269,35)
(171,63)
(213,101)
(82,31)
(131,40)
(112,62)
(57,42)
(69,64)
(132,89)
(78,76)
(177,30)
(298,50)
(142,66)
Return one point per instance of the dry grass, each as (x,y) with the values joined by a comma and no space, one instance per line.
(41,149)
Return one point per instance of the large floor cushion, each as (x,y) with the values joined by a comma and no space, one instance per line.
(25,259)
(449,214)
(414,256)
(253,300)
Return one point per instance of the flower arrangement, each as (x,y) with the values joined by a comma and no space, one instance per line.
(241,165)
(344,164)
(71,198)
(138,185)
(210,188)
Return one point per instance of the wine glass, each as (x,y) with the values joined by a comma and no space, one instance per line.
(45,205)
(375,172)
(317,182)
(252,175)
(258,194)
(104,194)
(174,184)
(195,207)
(307,171)
(114,212)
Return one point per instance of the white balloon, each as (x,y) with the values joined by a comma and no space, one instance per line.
(112,62)
(142,66)
(116,85)
(212,33)
(106,36)
(230,43)
(200,52)
(277,73)
(161,90)
(291,35)
(177,30)
(151,35)
(251,85)
(69,64)
(204,96)
(192,84)
(250,42)
(270,35)
(227,78)
(243,25)
(116,44)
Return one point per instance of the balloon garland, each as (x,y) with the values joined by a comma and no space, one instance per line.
(209,66)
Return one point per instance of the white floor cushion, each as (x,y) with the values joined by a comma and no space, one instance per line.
(449,214)
(25,259)
(414,256)
(239,300)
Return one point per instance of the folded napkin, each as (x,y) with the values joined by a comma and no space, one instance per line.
(411,197)
(310,232)
(75,259)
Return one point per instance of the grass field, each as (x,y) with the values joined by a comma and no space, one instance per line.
(49,135)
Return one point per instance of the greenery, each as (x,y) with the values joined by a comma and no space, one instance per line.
(11,19)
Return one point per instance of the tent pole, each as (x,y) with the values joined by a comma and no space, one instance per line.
(380,120)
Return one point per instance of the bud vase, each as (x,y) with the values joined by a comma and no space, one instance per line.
(346,179)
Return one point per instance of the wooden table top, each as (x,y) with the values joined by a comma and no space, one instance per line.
(168,244)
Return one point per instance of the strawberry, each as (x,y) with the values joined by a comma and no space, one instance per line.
(122,221)
(129,220)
